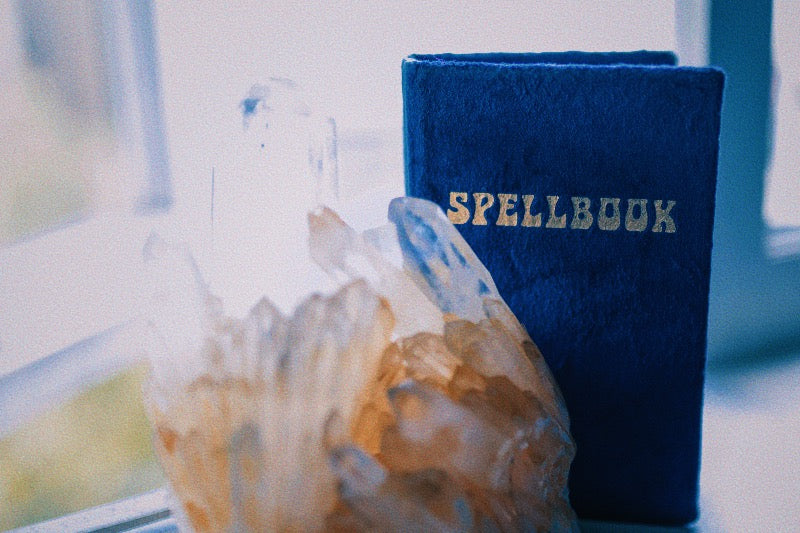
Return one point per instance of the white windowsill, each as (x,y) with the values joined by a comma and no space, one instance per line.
(150,513)
(147,512)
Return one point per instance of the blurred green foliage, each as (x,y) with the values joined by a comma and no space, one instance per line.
(93,449)
(49,157)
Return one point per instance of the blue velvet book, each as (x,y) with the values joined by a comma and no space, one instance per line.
(585,183)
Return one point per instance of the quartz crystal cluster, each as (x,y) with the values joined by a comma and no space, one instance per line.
(410,400)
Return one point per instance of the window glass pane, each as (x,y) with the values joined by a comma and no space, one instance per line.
(92,449)
(78,133)
(782,202)
(55,116)
(81,145)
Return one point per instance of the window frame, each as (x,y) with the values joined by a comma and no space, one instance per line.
(102,243)
(755,276)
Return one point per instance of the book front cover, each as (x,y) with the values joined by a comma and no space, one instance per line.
(585,183)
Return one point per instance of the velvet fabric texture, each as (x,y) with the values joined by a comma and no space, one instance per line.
(575,150)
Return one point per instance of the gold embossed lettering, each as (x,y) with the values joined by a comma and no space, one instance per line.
(459,214)
(632,221)
(663,220)
(528,220)
(581,217)
(604,220)
(507,202)
(483,201)
(608,215)
(553,220)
